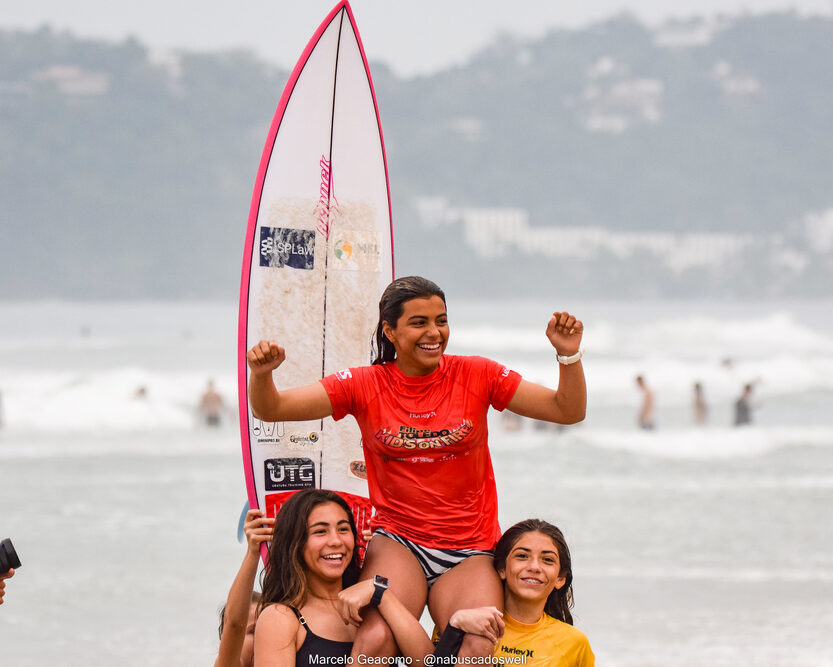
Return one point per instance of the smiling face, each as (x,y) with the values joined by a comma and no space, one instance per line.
(420,336)
(533,569)
(330,543)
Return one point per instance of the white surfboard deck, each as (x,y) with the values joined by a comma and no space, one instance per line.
(318,255)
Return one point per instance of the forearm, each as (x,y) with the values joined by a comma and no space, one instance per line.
(410,636)
(264,397)
(237,613)
(571,396)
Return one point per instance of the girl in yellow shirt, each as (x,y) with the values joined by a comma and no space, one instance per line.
(536,627)
(534,563)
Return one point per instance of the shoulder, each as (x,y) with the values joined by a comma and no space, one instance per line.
(481,370)
(571,632)
(349,377)
(361,372)
(277,621)
(469,362)
(277,636)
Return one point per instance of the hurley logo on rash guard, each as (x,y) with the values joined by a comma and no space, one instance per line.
(414,438)
(422,415)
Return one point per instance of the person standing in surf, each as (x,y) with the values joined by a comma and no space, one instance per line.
(422,416)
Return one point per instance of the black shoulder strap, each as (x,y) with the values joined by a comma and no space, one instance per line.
(297,613)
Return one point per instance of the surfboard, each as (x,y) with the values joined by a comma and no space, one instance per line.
(318,254)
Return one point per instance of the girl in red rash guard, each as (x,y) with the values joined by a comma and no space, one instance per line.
(422,415)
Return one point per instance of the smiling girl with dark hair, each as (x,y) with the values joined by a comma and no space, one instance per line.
(312,556)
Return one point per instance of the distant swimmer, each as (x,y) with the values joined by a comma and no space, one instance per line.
(701,411)
(646,412)
(743,406)
(211,405)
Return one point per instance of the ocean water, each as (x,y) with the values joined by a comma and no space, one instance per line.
(692,545)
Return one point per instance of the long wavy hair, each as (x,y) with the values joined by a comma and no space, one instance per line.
(560,600)
(391,306)
(284,579)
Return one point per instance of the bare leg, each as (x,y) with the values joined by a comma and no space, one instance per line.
(389,559)
(472,583)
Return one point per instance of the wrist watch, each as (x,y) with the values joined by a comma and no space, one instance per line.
(381,584)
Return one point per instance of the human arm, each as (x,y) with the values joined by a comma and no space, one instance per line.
(567,404)
(410,637)
(484,621)
(275,637)
(409,634)
(236,616)
(269,404)
(3,577)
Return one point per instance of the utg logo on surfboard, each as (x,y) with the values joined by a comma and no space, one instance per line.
(281,247)
(289,474)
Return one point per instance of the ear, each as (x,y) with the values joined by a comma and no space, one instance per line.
(502,574)
(387,329)
(559,583)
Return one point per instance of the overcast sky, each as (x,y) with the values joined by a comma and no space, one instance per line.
(412,37)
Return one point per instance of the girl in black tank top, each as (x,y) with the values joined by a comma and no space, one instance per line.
(312,557)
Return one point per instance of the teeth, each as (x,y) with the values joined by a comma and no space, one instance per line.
(333,557)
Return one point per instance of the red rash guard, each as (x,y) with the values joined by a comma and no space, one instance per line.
(426,446)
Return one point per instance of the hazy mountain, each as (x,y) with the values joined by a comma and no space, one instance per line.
(693,160)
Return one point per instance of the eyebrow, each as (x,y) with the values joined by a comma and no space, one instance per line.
(425,317)
(545,551)
(325,523)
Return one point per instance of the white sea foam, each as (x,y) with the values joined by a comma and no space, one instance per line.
(76,368)
(750,575)
(687,336)
(673,443)
(783,355)
(108,400)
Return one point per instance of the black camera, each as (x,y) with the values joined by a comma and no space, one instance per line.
(8,556)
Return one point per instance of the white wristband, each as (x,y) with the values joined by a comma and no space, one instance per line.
(566,361)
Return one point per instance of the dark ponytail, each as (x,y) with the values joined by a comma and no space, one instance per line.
(391,306)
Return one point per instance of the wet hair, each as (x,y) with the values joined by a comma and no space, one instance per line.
(560,600)
(391,306)
(255,600)
(284,579)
